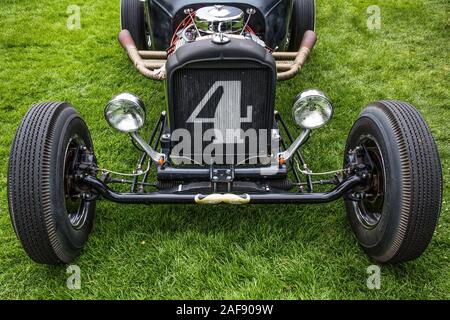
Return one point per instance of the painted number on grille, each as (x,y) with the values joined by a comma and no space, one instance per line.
(228,111)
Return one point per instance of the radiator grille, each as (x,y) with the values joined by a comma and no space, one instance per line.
(223,99)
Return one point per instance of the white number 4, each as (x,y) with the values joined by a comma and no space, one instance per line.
(228,111)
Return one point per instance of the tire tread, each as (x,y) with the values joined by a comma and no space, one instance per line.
(421,177)
(304,19)
(29,190)
(133,19)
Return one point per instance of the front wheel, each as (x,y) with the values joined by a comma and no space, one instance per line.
(395,216)
(49,214)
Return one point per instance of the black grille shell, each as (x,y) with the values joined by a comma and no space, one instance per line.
(243,81)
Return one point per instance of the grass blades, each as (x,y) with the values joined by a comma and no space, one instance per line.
(265,252)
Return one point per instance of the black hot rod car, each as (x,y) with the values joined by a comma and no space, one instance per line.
(220,140)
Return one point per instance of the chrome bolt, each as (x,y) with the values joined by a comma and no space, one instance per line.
(166,136)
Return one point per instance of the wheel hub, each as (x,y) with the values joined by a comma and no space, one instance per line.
(74,197)
(369,207)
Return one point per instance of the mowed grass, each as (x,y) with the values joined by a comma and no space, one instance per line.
(279,252)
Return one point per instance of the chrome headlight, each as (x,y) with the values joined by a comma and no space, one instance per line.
(125,112)
(312,109)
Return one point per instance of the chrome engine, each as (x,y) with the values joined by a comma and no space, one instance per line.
(214,21)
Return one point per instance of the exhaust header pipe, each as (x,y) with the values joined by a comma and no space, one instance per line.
(308,43)
(128,44)
(289,64)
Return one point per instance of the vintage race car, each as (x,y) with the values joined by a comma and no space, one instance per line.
(220,140)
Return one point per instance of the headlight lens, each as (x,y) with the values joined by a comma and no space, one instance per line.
(125,112)
(312,109)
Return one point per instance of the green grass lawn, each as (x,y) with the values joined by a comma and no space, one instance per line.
(279,252)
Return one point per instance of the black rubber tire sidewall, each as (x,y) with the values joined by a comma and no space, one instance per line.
(72,240)
(379,240)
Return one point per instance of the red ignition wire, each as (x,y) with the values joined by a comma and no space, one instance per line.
(181,25)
